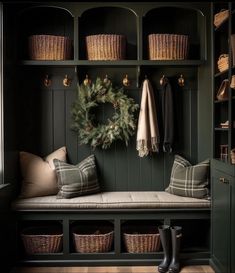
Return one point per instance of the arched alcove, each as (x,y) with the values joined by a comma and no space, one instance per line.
(174,20)
(43,20)
(109,20)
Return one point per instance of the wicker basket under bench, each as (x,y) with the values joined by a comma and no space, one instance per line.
(44,239)
(115,207)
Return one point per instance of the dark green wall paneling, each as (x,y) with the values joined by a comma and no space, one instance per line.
(59,118)
(204,101)
(46,129)
(11,99)
(45,118)
(42,115)
(71,139)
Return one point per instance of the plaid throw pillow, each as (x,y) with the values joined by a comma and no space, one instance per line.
(187,180)
(76,180)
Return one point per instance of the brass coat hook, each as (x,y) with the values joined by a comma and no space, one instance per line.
(47,81)
(106,80)
(126,81)
(87,81)
(66,81)
(181,81)
(162,80)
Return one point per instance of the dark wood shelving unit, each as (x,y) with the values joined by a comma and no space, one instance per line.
(219,74)
(221,101)
(221,129)
(222,171)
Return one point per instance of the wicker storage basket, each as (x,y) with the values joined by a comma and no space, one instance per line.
(168,47)
(141,243)
(223,62)
(233,156)
(42,240)
(220,17)
(106,47)
(93,240)
(49,47)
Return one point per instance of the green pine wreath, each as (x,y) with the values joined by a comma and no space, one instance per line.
(120,126)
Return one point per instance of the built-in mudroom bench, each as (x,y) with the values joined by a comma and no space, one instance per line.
(121,209)
(114,125)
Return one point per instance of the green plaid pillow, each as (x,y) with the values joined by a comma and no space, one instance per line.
(187,180)
(76,180)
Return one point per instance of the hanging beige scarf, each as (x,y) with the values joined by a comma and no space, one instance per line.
(148,132)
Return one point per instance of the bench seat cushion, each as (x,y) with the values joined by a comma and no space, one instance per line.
(112,200)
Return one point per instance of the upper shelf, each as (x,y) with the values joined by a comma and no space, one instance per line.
(221,73)
(114,63)
(114,20)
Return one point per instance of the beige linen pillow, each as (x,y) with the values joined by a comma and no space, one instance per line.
(39,176)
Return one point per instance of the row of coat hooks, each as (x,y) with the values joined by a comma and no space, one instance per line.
(47,81)
(125,81)
(67,81)
(163,80)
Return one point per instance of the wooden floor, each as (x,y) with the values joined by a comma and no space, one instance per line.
(120,269)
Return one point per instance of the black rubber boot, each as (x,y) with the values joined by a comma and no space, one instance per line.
(165,236)
(176,234)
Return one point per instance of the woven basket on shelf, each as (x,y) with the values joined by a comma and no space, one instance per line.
(223,62)
(220,17)
(49,47)
(168,47)
(97,240)
(141,243)
(42,240)
(106,47)
(233,156)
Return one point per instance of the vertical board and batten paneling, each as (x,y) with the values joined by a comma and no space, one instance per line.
(71,139)
(46,121)
(59,107)
(48,127)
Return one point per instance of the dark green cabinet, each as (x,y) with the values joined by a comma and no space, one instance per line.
(233,227)
(221,219)
(223,205)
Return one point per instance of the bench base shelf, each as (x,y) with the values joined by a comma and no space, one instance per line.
(118,256)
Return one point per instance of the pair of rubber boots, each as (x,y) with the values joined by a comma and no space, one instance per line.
(170,239)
